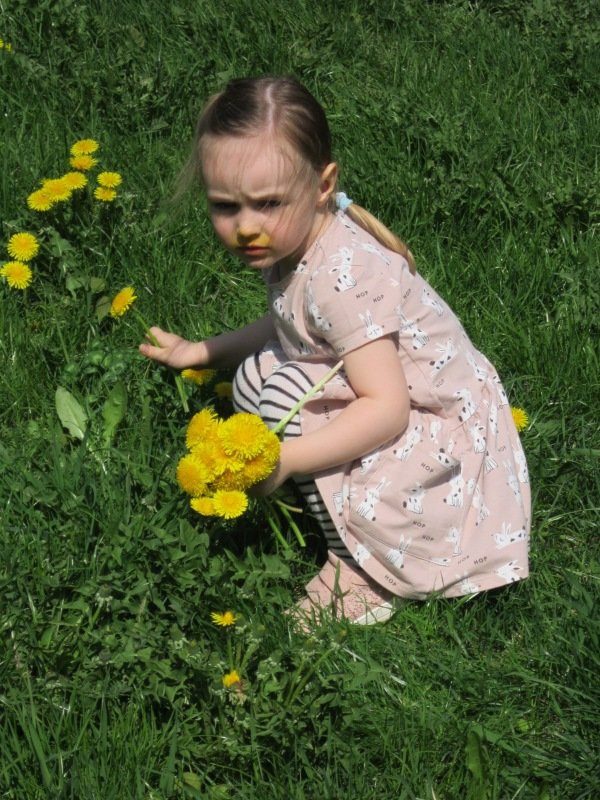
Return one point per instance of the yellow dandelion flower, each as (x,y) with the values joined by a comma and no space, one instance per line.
(83,162)
(520,418)
(242,435)
(7,46)
(270,445)
(224,619)
(40,200)
(109,179)
(224,390)
(104,195)
(84,147)
(232,479)
(198,376)
(202,427)
(232,465)
(230,504)
(123,301)
(23,246)
(74,180)
(231,679)
(212,456)
(203,505)
(57,189)
(192,475)
(257,469)
(17,274)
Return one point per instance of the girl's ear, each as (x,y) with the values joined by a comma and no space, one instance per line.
(327,181)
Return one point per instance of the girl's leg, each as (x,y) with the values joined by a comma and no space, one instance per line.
(247,385)
(341,587)
(344,590)
(271,397)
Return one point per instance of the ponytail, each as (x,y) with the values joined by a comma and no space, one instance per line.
(377,229)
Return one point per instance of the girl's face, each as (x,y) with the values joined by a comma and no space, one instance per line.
(262,206)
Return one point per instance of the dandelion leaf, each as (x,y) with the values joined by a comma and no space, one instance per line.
(102,307)
(97,284)
(74,282)
(192,779)
(70,412)
(114,410)
(58,246)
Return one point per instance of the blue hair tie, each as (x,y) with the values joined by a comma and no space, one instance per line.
(342,201)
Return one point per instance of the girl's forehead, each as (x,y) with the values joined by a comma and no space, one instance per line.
(250,163)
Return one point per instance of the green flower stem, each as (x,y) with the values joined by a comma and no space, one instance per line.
(283,504)
(145,326)
(182,394)
(229,652)
(154,341)
(62,344)
(290,521)
(311,392)
(271,516)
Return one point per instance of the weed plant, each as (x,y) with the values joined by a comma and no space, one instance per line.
(471,128)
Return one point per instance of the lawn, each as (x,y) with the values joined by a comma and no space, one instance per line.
(469,128)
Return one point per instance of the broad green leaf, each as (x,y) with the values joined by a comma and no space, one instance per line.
(74,282)
(114,410)
(103,307)
(71,413)
(58,246)
(193,780)
(97,284)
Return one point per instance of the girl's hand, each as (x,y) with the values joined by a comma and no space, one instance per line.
(172,350)
(224,351)
(279,476)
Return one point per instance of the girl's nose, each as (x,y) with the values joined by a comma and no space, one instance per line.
(247,227)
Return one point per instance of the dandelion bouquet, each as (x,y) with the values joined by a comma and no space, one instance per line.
(224,459)
(227,457)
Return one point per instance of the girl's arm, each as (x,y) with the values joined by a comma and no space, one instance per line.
(379,413)
(220,352)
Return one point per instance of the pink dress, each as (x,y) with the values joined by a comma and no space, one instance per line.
(444,507)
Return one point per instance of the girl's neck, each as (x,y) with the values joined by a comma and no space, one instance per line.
(281,270)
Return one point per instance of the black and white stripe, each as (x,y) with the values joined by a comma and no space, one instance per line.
(272,397)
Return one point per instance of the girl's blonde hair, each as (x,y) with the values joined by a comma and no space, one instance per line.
(377,229)
(280,105)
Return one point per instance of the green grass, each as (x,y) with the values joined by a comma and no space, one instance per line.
(472,130)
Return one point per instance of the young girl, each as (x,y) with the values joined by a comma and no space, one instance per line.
(409,456)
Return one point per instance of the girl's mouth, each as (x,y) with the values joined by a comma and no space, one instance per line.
(253,251)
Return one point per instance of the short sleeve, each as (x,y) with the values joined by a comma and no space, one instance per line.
(355,297)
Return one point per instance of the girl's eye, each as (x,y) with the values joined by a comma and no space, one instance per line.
(223,207)
(268,204)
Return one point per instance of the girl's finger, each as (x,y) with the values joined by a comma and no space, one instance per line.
(150,351)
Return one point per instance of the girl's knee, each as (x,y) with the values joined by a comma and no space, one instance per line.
(281,391)
(247,385)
